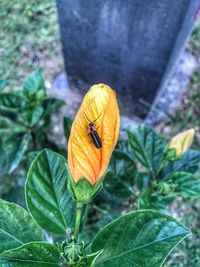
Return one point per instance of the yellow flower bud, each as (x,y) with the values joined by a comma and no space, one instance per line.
(182,142)
(85,160)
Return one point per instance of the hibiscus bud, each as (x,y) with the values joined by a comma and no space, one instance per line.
(180,144)
(88,161)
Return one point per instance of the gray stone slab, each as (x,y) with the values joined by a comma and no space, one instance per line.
(132,45)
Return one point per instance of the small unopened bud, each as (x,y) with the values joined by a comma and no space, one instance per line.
(163,188)
(180,144)
(73,252)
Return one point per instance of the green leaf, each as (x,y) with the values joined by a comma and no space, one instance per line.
(67,124)
(31,116)
(124,146)
(91,258)
(120,175)
(187,184)
(7,127)
(147,146)
(32,155)
(13,150)
(52,105)
(39,254)
(4,169)
(98,222)
(12,102)
(47,196)
(35,84)
(189,162)
(3,84)
(142,180)
(138,239)
(16,227)
(154,201)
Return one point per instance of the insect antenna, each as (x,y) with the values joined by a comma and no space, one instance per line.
(97,117)
(86,116)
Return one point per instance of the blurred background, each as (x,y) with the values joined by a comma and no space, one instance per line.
(166,98)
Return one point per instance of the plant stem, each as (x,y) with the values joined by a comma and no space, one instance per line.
(161,166)
(34,140)
(79,208)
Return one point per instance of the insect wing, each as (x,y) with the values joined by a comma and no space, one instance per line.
(96,139)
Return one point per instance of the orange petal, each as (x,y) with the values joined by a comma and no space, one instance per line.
(85,160)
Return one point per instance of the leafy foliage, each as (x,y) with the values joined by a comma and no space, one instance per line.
(67,123)
(12,101)
(16,227)
(13,150)
(141,174)
(38,254)
(186,184)
(3,84)
(142,238)
(46,193)
(189,162)
(25,121)
(133,239)
(120,175)
(147,146)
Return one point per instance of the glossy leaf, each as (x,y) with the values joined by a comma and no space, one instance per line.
(3,161)
(187,184)
(67,124)
(143,238)
(142,180)
(120,176)
(124,146)
(39,254)
(91,258)
(47,196)
(189,162)
(7,127)
(31,115)
(154,201)
(147,146)
(32,155)
(16,227)
(34,83)
(11,101)
(102,219)
(13,149)
(3,84)
(52,105)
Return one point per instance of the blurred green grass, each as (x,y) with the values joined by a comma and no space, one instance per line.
(29,38)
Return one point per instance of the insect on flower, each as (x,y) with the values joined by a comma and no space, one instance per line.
(92,132)
(87,161)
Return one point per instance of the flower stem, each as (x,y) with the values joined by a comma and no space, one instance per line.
(79,208)
(161,167)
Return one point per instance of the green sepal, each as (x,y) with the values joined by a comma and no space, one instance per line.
(164,188)
(73,252)
(82,191)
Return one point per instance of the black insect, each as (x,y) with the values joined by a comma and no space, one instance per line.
(92,132)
